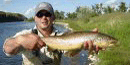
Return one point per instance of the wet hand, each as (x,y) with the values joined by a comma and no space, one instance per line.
(30,41)
(90,46)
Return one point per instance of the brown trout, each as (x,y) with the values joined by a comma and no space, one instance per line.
(75,40)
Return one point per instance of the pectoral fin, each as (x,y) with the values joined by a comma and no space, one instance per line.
(72,53)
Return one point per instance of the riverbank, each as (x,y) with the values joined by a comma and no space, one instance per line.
(114,24)
(11,17)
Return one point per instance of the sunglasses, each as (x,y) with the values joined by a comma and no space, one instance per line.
(41,14)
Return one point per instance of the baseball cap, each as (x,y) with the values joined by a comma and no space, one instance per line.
(44,6)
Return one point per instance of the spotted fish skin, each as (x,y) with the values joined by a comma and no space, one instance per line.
(75,40)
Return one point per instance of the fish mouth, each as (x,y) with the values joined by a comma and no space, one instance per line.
(113,43)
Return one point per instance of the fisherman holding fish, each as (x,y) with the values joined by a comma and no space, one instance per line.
(29,42)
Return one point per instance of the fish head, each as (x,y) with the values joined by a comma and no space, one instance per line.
(105,41)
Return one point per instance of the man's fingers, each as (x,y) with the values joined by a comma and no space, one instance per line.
(89,45)
(39,46)
(86,45)
(41,43)
(97,49)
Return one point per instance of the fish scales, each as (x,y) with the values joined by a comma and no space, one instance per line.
(75,40)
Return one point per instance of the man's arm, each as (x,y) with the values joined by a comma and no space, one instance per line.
(30,42)
(27,41)
(11,47)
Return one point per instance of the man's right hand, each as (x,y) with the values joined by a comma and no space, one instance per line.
(30,41)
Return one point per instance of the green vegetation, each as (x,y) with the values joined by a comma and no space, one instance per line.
(30,19)
(59,15)
(113,22)
(117,25)
(9,17)
(122,7)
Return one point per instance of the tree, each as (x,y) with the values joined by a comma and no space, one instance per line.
(98,8)
(62,15)
(109,9)
(59,15)
(122,7)
(93,8)
(9,17)
(31,19)
(71,15)
(78,9)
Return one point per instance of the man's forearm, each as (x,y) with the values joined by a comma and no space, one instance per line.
(11,47)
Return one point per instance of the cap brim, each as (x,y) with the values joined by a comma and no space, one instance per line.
(42,9)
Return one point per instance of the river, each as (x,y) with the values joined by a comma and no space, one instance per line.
(8,29)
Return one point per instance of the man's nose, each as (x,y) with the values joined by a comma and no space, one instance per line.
(44,17)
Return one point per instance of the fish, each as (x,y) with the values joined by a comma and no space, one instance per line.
(74,41)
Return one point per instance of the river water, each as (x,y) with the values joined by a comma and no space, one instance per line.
(9,29)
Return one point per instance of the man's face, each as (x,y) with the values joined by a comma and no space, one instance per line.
(44,19)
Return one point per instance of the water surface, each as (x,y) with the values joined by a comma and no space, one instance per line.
(9,29)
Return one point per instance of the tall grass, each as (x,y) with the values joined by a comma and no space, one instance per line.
(115,24)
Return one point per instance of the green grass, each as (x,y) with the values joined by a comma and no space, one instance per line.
(115,24)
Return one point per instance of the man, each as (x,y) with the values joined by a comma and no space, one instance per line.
(29,44)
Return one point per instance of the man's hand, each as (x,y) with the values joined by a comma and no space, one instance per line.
(90,46)
(30,41)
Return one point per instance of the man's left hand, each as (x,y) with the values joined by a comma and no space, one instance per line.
(90,46)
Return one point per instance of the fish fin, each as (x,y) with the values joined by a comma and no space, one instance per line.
(71,53)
